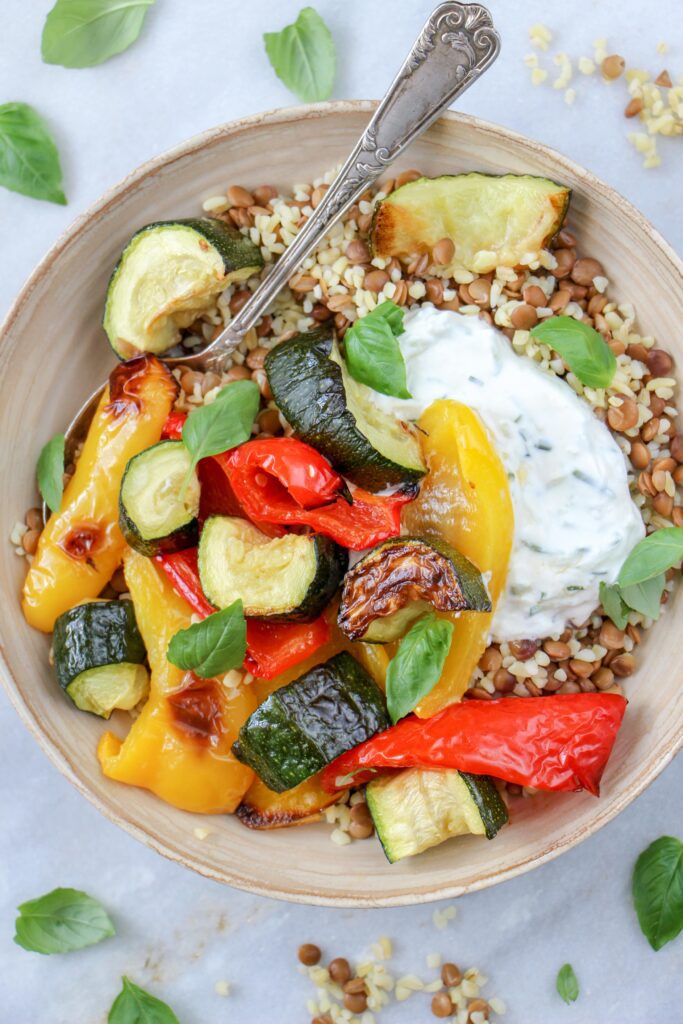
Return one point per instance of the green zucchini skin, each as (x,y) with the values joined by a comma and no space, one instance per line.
(184,536)
(303,726)
(308,388)
(380,594)
(241,259)
(94,634)
(416,809)
(329,559)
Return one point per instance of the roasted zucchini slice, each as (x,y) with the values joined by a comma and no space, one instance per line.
(492,221)
(303,726)
(282,579)
(398,581)
(415,809)
(152,515)
(338,416)
(167,275)
(98,656)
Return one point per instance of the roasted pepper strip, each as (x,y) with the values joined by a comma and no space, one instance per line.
(558,743)
(180,745)
(464,500)
(272,647)
(81,546)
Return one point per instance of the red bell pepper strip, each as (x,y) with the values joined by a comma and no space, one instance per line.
(173,427)
(286,482)
(272,647)
(561,742)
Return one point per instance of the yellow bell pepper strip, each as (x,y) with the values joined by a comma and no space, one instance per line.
(81,545)
(465,500)
(179,746)
(261,807)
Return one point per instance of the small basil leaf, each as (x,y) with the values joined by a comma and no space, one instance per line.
(135,1006)
(373,355)
(585,352)
(567,984)
(416,668)
(29,160)
(657,889)
(303,56)
(613,604)
(61,921)
(82,33)
(50,472)
(645,597)
(213,646)
(225,423)
(650,557)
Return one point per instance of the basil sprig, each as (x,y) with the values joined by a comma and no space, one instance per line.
(221,425)
(645,598)
(82,33)
(135,1006)
(373,355)
(418,664)
(657,889)
(652,556)
(213,646)
(585,352)
(29,159)
(567,984)
(61,921)
(50,472)
(303,56)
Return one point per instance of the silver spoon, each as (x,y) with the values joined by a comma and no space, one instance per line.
(456,45)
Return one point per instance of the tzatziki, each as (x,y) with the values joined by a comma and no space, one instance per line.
(575,522)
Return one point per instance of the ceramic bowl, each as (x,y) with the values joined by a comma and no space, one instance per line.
(54,352)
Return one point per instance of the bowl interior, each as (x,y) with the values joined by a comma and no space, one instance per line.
(54,352)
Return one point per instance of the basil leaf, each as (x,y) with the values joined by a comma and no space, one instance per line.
(585,352)
(50,472)
(82,33)
(567,984)
(645,597)
(613,604)
(135,1006)
(415,669)
(373,356)
(61,921)
(303,56)
(225,423)
(212,646)
(29,160)
(650,557)
(657,889)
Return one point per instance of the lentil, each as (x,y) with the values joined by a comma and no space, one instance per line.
(659,362)
(566,259)
(442,1005)
(623,665)
(309,954)
(356,1002)
(238,196)
(623,417)
(34,519)
(612,66)
(339,970)
(610,636)
(534,296)
(524,317)
(640,455)
(256,358)
(584,270)
(491,660)
(603,678)
(29,541)
(556,650)
(375,280)
(633,107)
(443,252)
(451,975)
(478,1006)
(264,193)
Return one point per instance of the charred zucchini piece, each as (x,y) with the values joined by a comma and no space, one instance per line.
(303,726)
(261,808)
(338,416)
(152,516)
(398,581)
(492,221)
(168,274)
(415,809)
(282,579)
(99,655)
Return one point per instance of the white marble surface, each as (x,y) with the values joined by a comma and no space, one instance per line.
(198,64)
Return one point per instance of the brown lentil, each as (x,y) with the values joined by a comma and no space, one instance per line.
(269,421)
(34,519)
(663,504)
(659,363)
(357,252)
(188,381)
(256,358)
(240,217)
(534,296)
(303,283)
(480,291)
(503,680)
(443,252)
(375,280)
(338,302)
(596,304)
(623,665)
(238,196)
(401,294)
(361,825)
(355,986)
(211,380)
(317,195)
(565,238)
(325,1019)
(451,975)
(524,649)
(650,429)
(29,541)
(238,300)
(478,1006)
(556,650)
(566,258)
(479,693)
(238,373)
(264,387)
(265,326)
(434,290)
(442,1005)
(664,79)
(558,300)
(612,66)
(633,107)
(640,455)
(364,222)
(356,1002)
(264,193)
(676,447)
(491,660)
(524,317)
(339,970)
(610,636)
(585,270)
(321,313)
(623,417)
(582,669)
(677,515)
(309,954)
(603,678)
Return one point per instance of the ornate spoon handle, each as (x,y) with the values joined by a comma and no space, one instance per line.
(457,44)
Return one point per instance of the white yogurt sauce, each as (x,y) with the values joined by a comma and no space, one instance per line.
(575,522)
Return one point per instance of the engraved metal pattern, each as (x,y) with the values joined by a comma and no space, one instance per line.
(457,44)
